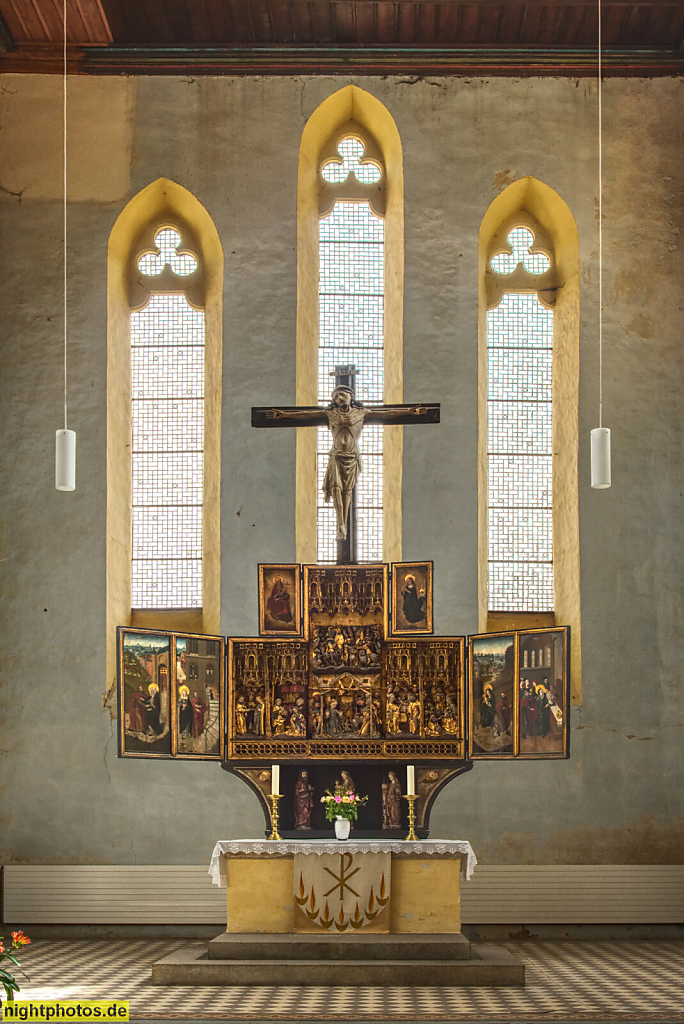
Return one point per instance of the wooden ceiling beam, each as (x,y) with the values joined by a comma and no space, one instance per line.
(607,4)
(519,61)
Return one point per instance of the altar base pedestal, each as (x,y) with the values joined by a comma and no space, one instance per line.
(354,960)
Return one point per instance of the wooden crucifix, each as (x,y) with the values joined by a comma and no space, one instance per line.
(346,418)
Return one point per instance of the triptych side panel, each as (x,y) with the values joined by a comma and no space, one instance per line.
(199,696)
(544,693)
(171,694)
(492,670)
(144,693)
(519,694)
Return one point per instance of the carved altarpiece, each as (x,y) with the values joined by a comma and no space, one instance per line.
(348,694)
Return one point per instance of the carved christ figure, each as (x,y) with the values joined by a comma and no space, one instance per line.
(346,418)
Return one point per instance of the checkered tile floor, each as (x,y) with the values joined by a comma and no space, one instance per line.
(566,981)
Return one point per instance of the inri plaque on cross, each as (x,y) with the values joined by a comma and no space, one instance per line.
(345,417)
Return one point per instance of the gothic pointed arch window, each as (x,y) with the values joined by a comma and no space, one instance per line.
(519,422)
(529,382)
(165,277)
(350,285)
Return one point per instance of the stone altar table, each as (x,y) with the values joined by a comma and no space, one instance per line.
(311,912)
(338,887)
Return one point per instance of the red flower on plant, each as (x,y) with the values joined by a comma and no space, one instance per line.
(2,948)
(19,939)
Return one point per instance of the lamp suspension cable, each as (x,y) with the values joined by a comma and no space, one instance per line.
(600,436)
(600,218)
(64,196)
(65,439)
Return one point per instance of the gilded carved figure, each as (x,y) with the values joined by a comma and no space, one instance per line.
(278,718)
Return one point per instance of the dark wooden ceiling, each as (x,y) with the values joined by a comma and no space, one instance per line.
(644,37)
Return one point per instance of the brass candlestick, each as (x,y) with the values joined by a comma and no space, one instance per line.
(274,798)
(412,797)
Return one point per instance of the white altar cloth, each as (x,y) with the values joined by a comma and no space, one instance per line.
(287,847)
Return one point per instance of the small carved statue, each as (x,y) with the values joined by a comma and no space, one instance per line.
(391,802)
(392,714)
(241,716)
(303,801)
(259,716)
(278,718)
(414,714)
(297,722)
(347,782)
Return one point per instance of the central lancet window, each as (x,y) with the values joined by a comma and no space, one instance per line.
(519,428)
(167,398)
(351,322)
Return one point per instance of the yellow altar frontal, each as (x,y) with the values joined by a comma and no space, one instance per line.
(352,887)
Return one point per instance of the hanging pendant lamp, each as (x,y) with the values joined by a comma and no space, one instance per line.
(600,436)
(65,439)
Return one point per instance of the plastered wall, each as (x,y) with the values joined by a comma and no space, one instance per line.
(233,143)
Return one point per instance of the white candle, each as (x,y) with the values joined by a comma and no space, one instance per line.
(275,779)
(410,780)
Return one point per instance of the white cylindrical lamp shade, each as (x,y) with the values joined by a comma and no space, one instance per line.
(65,460)
(600,457)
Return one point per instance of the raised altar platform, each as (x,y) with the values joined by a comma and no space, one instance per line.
(389,911)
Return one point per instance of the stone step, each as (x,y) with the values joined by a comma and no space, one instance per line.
(323,946)
(488,965)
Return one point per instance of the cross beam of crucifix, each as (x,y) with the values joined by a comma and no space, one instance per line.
(346,419)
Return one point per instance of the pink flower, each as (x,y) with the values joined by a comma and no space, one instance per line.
(338,799)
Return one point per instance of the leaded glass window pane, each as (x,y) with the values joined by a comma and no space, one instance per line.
(519,446)
(351,296)
(167,382)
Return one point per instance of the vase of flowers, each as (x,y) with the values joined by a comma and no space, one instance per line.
(342,807)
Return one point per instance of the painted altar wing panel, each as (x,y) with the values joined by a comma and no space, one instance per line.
(411,600)
(170,694)
(519,694)
(198,696)
(144,693)
(492,671)
(544,693)
(280,606)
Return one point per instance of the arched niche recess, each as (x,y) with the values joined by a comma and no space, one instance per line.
(163,203)
(349,111)
(529,202)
